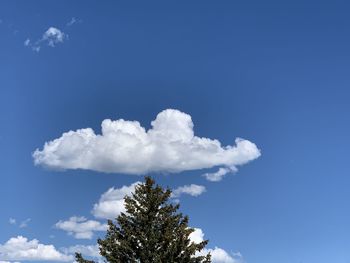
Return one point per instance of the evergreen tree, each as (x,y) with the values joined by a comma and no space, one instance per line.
(151,231)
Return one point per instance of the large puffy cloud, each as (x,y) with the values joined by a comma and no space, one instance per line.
(218,255)
(20,248)
(111,203)
(126,147)
(80,227)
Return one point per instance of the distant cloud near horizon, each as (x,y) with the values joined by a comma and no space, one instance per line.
(170,146)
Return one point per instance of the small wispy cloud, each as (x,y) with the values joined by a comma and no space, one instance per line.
(12,221)
(21,224)
(73,21)
(193,190)
(52,36)
(27,42)
(218,175)
(24,223)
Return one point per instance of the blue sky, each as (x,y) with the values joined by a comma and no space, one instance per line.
(273,73)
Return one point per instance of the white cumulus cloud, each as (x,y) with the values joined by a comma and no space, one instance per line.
(218,255)
(192,189)
(80,227)
(197,235)
(53,36)
(126,147)
(111,203)
(20,248)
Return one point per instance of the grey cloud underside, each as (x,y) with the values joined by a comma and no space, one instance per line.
(170,146)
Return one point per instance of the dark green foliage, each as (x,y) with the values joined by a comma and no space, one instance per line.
(80,259)
(152,231)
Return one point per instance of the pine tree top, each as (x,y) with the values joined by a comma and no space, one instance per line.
(151,231)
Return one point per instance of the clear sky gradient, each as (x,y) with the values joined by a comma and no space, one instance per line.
(274,73)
